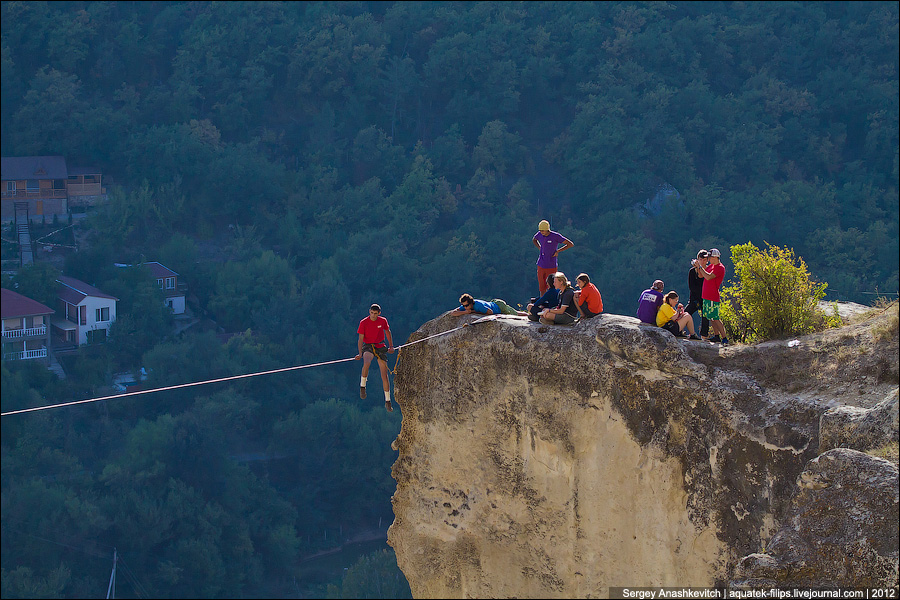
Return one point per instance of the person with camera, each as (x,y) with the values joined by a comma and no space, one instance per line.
(713,276)
(695,286)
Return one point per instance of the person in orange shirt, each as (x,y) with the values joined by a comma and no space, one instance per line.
(587,298)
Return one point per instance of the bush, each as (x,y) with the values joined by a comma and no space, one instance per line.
(774,296)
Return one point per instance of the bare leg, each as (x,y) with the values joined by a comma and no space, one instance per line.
(384,375)
(367,359)
(687,322)
(718,328)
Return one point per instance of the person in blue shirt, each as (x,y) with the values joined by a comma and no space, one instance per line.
(549,300)
(469,305)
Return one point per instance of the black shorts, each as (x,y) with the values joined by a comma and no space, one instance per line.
(563,319)
(379,352)
(693,306)
(587,312)
(673,328)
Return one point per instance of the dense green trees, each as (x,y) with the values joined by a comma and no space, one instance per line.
(294,162)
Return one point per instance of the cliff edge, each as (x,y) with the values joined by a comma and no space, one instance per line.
(549,461)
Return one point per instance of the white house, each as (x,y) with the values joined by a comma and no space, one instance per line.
(167,280)
(26,334)
(86,313)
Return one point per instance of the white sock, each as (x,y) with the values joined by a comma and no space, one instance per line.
(387,396)
(362,381)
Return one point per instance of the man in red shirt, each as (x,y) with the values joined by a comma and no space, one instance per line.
(372,331)
(713,276)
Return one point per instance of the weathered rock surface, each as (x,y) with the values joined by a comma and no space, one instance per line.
(548,462)
(860,428)
(841,530)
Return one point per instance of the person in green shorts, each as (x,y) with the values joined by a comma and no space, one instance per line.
(713,276)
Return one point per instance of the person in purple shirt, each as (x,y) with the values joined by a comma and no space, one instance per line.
(650,302)
(548,242)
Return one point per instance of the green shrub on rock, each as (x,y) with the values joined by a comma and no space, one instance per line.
(774,296)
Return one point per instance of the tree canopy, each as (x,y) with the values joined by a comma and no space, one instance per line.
(295,162)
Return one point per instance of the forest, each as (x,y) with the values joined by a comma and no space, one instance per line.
(295,162)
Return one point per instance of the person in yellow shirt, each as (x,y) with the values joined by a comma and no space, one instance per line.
(675,321)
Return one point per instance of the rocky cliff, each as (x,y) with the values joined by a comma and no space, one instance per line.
(550,461)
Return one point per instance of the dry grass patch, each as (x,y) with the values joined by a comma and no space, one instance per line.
(889,452)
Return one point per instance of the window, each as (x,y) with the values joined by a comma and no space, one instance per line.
(96,336)
(159,283)
(102,314)
(170,283)
(59,184)
(10,186)
(32,185)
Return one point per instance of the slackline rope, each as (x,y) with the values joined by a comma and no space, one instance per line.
(233,377)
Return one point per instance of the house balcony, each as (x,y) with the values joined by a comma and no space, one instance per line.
(26,354)
(19,334)
(37,194)
(85,189)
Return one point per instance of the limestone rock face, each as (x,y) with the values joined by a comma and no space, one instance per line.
(550,461)
(861,428)
(841,530)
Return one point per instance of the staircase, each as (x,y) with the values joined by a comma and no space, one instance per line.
(26,250)
(56,368)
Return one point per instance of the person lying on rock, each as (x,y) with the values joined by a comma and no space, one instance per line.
(469,305)
(565,311)
(549,300)
(673,320)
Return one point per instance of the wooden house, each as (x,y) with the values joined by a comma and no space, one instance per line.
(85,187)
(35,186)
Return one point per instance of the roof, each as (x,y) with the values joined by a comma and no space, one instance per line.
(15,305)
(160,270)
(84,171)
(74,290)
(33,167)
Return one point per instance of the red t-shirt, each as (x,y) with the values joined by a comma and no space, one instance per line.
(373,331)
(711,286)
(591,295)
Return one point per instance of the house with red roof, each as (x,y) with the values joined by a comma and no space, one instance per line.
(26,331)
(167,280)
(85,312)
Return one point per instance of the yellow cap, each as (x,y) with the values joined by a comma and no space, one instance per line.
(544,226)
